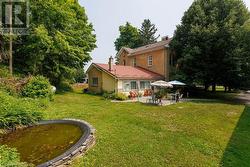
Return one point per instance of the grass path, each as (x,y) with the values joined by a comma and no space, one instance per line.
(137,135)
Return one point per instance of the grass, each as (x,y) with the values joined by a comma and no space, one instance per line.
(133,134)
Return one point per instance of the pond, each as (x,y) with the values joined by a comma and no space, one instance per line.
(39,144)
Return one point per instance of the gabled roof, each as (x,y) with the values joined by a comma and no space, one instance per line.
(128,72)
(151,47)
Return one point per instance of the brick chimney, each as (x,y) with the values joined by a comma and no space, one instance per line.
(165,38)
(111,63)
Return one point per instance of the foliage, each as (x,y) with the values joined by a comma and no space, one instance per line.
(13,86)
(10,157)
(62,39)
(115,96)
(129,37)
(15,111)
(37,87)
(148,33)
(79,75)
(244,50)
(65,87)
(161,93)
(4,71)
(206,41)
(132,37)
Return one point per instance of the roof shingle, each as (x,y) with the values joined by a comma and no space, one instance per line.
(142,49)
(129,72)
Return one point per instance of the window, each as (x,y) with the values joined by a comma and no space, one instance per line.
(126,86)
(134,62)
(144,85)
(133,85)
(150,60)
(95,81)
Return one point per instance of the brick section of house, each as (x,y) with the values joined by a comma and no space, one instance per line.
(162,57)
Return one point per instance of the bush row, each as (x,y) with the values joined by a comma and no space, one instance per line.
(19,111)
(32,87)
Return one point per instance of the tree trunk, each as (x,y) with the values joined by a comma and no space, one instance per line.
(206,87)
(214,87)
(10,47)
(225,88)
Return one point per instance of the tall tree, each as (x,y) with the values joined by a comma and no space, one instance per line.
(243,49)
(60,41)
(206,40)
(148,33)
(129,37)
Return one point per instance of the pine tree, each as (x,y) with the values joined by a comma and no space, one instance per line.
(148,33)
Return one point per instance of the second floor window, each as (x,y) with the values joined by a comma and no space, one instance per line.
(150,60)
(134,62)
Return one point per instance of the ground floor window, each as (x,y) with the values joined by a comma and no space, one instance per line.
(126,86)
(144,85)
(133,85)
(94,81)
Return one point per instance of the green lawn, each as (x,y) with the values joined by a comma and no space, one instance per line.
(133,134)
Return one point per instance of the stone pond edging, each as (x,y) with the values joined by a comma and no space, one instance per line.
(80,148)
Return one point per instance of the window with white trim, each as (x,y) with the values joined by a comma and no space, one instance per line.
(144,85)
(126,86)
(94,81)
(133,85)
(150,60)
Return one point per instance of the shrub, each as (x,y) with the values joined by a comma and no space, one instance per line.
(17,111)
(108,95)
(37,87)
(13,86)
(121,96)
(4,71)
(115,96)
(10,157)
(65,86)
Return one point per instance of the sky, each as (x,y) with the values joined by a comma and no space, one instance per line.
(107,15)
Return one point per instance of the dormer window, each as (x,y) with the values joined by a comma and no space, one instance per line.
(150,60)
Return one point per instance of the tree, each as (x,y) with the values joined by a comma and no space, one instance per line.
(148,33)
(60,41)
(243,49)
(129,37)
(206,40)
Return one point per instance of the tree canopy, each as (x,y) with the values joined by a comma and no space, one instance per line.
(206,41)
(59,43)
(148,33)
(132,37)
(129,37)
(244,50)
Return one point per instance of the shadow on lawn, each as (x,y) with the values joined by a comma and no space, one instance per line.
(237,153)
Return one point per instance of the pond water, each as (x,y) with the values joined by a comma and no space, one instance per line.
(42,143)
